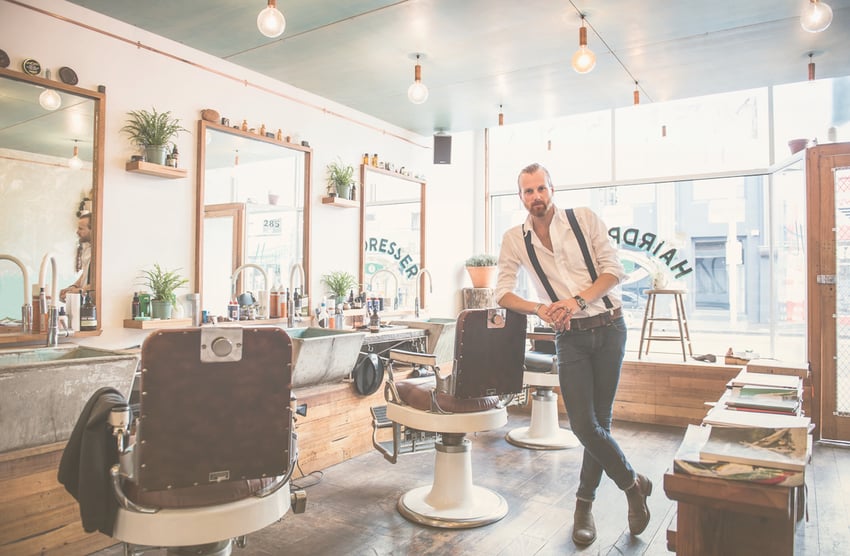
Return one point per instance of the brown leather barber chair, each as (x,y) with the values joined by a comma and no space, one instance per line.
(541,372)
(439,411)
(213,450)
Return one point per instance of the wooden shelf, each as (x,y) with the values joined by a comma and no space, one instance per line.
(155,324)
(340,202)
(398,175)
(152,169)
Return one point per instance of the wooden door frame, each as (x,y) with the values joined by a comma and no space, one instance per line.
(236,211)
(821,162)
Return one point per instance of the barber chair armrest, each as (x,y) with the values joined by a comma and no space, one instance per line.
(413,358)
(540,336)
(118,491)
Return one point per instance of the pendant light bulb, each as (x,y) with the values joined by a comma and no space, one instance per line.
(417,93)
(816,16)
(74,162)
(584,59)
(271,22)
(49,99)
(636,94)
(501,116)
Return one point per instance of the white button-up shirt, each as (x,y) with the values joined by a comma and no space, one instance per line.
(564,267)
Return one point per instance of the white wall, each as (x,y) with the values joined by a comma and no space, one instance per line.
(148,220)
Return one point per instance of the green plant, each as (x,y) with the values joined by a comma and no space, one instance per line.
(483,259)
(340,175)
(339,282)
(149,129)
(162,283)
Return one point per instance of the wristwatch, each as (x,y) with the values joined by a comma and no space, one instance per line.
(582,304)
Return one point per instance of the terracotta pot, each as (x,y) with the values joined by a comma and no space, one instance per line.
(483,276)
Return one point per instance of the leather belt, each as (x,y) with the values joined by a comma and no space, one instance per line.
(602,319)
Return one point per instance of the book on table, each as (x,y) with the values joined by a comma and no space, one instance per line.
(745,378)
(779,448)
(768,392)
(687,460)
(781,406)
(721,416)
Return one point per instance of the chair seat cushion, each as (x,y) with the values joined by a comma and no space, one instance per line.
(417,393)
(539,362)
(197,496)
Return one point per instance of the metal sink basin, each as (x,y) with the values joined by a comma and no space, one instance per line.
(43,390)
(322,356)
(440,339)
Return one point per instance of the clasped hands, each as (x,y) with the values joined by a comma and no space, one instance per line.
(558,315)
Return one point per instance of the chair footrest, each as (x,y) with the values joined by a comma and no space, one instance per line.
(379,417)
(666,338)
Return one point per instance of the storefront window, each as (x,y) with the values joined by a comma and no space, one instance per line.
(712,238)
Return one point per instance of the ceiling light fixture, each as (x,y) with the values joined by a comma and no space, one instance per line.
(270,21)
(816,16)
(811,67)
(501,116)
(636,94)
(584,59)
(417,93)
(74,162)
(49,99)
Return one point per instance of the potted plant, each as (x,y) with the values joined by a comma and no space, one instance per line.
(482,270)
(340,177)
(153,131)
(162,284)
(339,283)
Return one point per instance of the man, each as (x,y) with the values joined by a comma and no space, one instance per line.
(83,258)
(590,334)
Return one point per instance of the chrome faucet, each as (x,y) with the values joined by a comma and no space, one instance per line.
(26,307)
(291,317)
(264,303)
(395,281)
(426,272)
(52,310)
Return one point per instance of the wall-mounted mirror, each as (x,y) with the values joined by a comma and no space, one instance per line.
(253,208)
(51,169)
(392,227)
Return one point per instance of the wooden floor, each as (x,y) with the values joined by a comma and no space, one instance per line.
(351,507)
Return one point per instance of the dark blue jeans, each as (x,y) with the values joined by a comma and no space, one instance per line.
(589,371)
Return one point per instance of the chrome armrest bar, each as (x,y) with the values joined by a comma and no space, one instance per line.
(123,501)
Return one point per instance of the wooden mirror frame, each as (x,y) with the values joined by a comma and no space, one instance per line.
(98,138)
(203,126)
(365,169)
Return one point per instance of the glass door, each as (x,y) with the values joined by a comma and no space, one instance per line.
(828,177)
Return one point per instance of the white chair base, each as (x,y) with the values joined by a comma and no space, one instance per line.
(452,501)
(543,433)
(199,526)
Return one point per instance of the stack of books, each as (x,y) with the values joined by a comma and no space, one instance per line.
(760,400)
(775,456)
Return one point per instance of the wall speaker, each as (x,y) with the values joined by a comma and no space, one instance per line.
(442,149)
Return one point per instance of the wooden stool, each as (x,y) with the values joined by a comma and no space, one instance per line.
(649,319)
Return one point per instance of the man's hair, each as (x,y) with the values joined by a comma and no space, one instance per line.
(532,168)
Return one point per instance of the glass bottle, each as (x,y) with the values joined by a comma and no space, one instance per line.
(324,317)
(375,160)
(365,159)
(136,305)
(88,314)
(174,156)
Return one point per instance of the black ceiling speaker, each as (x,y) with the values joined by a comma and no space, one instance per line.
(442,149)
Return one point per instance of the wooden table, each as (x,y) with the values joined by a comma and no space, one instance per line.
(723,517)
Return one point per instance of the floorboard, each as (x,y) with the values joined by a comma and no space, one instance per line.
(351,507)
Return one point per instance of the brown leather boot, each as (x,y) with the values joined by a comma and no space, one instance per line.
(638,510)
(584,528)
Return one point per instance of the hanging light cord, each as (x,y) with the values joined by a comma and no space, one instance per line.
(611,50)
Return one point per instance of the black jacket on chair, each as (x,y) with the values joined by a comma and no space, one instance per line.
(87,458)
